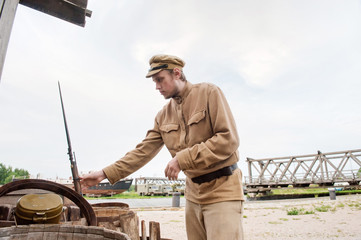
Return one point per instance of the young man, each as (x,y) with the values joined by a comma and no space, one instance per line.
(198,129)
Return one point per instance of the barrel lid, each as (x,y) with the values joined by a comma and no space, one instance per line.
(38,202)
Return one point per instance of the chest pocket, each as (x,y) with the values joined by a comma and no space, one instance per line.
(199,128)
(197,117)
(170,134)
(169,127)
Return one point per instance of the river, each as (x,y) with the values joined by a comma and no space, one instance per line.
(142,203)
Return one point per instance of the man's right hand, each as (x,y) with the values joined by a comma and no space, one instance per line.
(92,179)
(172,170)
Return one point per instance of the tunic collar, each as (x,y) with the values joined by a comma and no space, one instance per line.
(183,94)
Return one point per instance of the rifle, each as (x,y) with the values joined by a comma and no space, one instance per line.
(74,168)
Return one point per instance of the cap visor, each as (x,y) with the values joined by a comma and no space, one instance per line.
(151,73)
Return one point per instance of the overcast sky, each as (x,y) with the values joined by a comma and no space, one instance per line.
(290,69)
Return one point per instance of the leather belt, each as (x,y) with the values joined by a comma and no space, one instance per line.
(226,171)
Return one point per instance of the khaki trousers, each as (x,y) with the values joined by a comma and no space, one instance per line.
(217,221)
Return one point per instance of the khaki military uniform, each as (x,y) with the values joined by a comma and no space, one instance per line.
(198,128)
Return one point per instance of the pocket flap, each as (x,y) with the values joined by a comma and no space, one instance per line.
(197,117)
(169,127)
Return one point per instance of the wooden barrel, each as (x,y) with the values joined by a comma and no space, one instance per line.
(59,231)
(118,217)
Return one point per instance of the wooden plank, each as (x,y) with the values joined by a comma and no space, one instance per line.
(62,9)
(73,213)
(51,235)
(5,211)
(20,230)
(51,231)
(7,15)
(5,223)
(6,232)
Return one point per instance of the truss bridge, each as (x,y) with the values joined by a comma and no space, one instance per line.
(324,169)
(159,181)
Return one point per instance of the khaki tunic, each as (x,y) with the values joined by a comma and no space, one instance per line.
(198,128)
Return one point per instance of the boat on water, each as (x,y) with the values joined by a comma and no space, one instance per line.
(107,189)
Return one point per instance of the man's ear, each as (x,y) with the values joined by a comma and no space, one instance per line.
(177,72)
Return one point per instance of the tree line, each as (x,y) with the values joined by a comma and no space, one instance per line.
(8,173)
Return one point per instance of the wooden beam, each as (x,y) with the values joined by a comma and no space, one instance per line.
(80,3)
(73,11)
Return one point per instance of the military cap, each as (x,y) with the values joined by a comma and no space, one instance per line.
(160,62)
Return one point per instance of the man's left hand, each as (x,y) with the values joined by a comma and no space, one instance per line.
(172,170)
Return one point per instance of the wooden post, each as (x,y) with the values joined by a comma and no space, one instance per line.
(144,231)
(128,222)
(7,16)
(118,219)
(154,230)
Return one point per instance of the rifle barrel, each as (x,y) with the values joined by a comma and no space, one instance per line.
(73,165)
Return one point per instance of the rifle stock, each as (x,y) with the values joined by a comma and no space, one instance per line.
(73,165)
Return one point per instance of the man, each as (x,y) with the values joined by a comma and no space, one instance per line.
(198,129)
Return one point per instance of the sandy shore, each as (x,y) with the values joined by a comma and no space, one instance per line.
(326,219)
